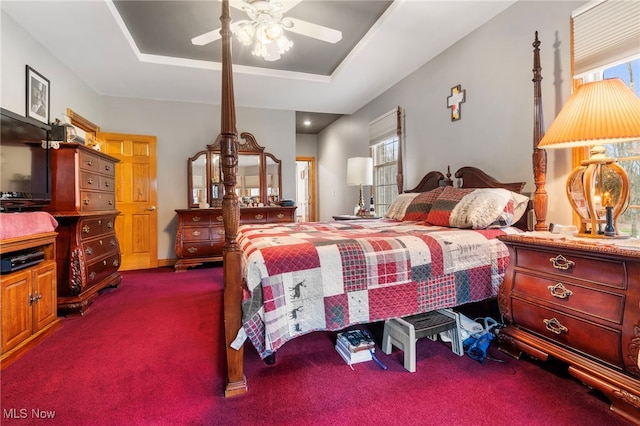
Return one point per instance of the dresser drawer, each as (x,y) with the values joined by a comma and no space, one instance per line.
(89,180)
(196,218)
(90,228)
(196,233)
(247,216)
(570,297)
(107,167)
(280,216)
(597,341)
(202,249)
(89,162)
(602,271)
(96,201)
(94,249)
(100,269)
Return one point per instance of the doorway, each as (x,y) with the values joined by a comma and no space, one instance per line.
(306,189)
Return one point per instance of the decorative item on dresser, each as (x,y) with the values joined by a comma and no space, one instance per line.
(578,302)
(200,236)
(27,295)
(83,202)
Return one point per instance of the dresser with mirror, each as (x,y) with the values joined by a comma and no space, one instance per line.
(200,234)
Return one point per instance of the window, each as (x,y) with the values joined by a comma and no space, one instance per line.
(385,136)
(385,171)
(605,45)
(628,154)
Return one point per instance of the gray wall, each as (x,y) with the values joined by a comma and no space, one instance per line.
(494,65)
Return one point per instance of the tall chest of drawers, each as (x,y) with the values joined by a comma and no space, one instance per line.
(200,235)
(578,301)
(83,202)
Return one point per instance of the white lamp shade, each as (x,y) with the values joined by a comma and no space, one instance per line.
(360,171)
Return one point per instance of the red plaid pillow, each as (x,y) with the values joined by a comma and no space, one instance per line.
(421,204)
(444,205)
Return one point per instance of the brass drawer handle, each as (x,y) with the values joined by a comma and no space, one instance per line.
(195,219)
(116,263)
(110,202)
(219,218)
(89,251)
(554,326)
(110,224)
(560,291)
(106,184)
(86,201)
(90,181)
(92,276)
(220,232)
(259,216)
(107,167)
(112,243)
(562,263)
(86,229)
(196,233)
(280,215)
(89,163)
(192,250)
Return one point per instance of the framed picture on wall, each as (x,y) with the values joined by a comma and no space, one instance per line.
(37,96)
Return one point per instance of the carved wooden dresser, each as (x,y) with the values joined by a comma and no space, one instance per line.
(200,235)
(577,300)
(84,204)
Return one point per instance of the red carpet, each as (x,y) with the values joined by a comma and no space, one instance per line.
(151,353)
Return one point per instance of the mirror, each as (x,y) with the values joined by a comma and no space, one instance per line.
(259,179)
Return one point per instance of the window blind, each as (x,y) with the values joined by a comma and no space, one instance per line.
(605,32)
(384,127)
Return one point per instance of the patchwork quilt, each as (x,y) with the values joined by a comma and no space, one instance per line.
(305,277)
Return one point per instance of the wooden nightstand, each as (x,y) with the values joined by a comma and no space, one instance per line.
(576,300)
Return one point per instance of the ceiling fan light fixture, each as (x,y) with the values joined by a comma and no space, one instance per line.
(245,33)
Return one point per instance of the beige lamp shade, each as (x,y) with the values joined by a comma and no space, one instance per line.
(605,111)
(600,112)
(360,171)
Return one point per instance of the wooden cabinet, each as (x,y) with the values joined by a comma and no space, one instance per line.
(200,236)
(83,202)
(28,296)
(579,302)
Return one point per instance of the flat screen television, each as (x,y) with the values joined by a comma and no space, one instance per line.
(25,176)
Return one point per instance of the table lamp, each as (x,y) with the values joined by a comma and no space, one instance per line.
(600,112)
(360,172)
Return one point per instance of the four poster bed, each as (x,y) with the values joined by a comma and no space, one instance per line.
(435,249)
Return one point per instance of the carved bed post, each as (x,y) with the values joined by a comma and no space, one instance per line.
(399,176)
(232,257)
(540,198)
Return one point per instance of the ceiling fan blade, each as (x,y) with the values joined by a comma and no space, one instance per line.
(206,38)
(314,30)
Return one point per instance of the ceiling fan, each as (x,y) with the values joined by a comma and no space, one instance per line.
(266,26)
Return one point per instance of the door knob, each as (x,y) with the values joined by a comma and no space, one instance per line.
(152,208)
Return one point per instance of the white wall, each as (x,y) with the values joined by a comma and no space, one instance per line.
(18,49)
(494,65)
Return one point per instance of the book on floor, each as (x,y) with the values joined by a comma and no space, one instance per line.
(356,340)
(353,357)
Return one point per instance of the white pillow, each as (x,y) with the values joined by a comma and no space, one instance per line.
(488,208)
(398,208)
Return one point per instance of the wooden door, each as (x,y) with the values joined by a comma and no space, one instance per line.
(306,189)
(136,197)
